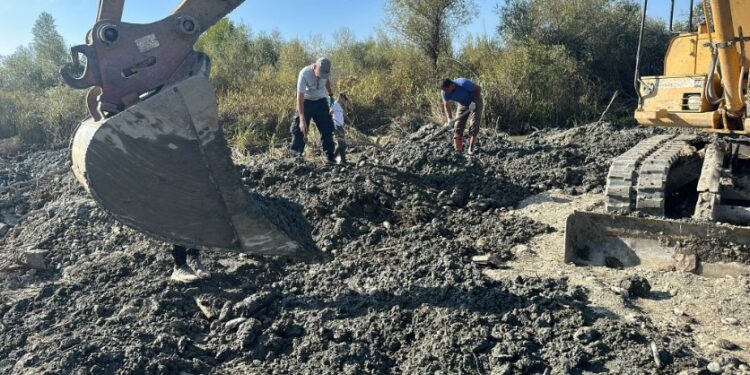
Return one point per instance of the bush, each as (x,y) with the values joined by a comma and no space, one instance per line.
(552,63)
(65,108)
(532,86)
(49,117)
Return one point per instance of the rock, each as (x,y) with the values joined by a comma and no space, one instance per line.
(35,259)
(714,368)
(726,344)
(387,225)
(686,263)
(520,249)
(234,323)
(587,335)
(637,286)
(730,321)
(4,229)
(251,305)
(487,260)
(677,311)
(621,291)
(205,308)
(226,311)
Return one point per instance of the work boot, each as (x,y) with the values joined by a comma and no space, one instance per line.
(184,274)
(341,159)
(459,144)
(200,269)
(331,159)
(473,145)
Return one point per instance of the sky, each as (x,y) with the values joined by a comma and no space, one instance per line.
(292,18)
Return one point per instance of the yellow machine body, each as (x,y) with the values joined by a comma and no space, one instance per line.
(678,98)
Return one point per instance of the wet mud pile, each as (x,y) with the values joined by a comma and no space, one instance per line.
(398,292)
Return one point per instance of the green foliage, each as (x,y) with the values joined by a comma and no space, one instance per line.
(552,63)
(531,86)
(236,55)
(600,34)
(19,72)
(49,50)
(34,104)
(429,24)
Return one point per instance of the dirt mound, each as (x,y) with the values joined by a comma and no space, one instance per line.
(399,293)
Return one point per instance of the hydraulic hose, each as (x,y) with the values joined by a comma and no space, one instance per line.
(709,86)
(637,76)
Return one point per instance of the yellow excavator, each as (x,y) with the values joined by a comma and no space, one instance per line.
(152,153)
(687,190)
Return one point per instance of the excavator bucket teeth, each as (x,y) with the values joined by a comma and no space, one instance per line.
(164,168)
(617,241)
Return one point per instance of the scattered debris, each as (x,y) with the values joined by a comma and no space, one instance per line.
(636,286)
(686,263)
(726,344)
(487,260)
(730,321)
(204,308)
(714,368)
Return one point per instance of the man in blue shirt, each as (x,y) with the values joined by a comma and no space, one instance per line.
(468,95)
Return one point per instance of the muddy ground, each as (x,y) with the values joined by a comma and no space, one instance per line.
(399,292)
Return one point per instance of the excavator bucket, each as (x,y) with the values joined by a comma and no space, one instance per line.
(617,241)
(163,167)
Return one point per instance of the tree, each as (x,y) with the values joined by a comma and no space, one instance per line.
(20,72)
(429,24)
(228,46)
(50,52)
(601,34)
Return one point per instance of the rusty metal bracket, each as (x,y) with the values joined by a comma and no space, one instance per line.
(124,61)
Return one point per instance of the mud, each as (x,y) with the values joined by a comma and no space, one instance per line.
(398,293)
(713,250)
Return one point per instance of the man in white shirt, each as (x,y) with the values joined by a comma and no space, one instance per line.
(313,86)
(338,113)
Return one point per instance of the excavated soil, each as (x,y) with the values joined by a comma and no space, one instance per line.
(398,292)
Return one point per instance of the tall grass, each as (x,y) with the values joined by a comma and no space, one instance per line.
(543,68)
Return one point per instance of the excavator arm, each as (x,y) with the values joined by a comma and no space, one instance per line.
(153,154)
(125,61)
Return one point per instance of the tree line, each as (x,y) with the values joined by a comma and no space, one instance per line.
(550,63)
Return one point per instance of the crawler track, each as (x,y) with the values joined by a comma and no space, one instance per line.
(638,179)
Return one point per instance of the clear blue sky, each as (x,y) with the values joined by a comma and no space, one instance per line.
(290,17)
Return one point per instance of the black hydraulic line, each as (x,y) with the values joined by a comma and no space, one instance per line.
(637,77)
(671,17)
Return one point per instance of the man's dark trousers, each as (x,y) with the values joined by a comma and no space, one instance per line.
(318,111)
